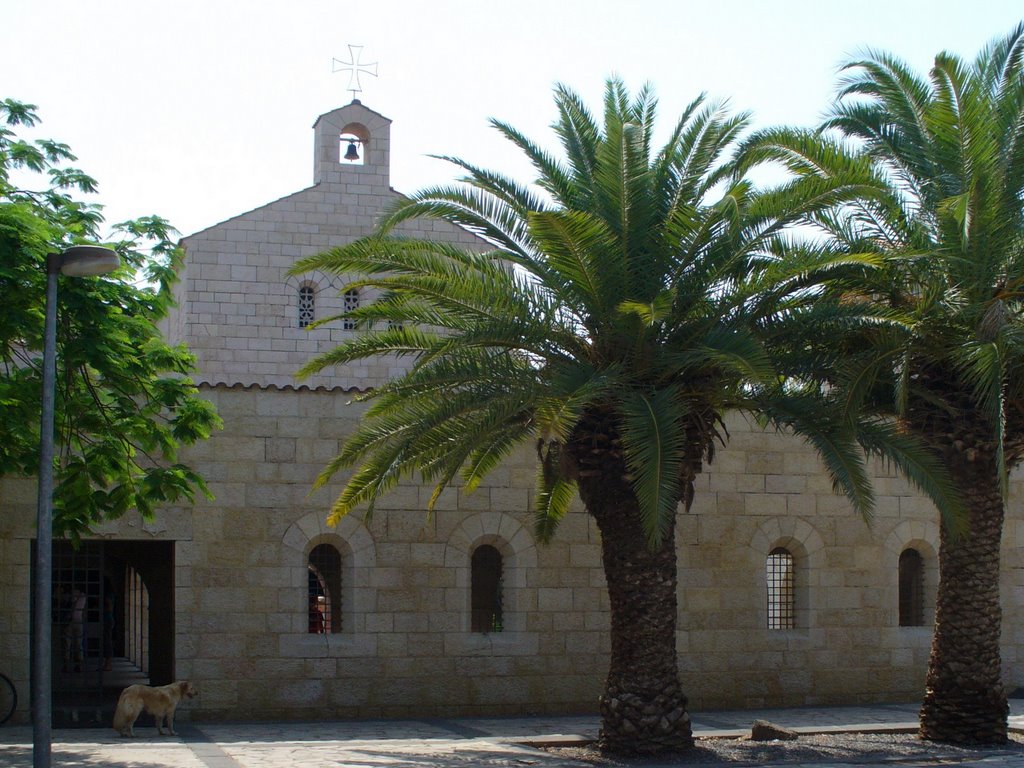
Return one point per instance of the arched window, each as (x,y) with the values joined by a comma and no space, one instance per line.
(486,589)
(324,593)
(911,578)
(350,301)
(779,570)
(307,305)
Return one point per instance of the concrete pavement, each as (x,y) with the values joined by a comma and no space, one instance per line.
(428,743)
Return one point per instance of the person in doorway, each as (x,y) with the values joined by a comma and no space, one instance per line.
(108,632)
(74,631)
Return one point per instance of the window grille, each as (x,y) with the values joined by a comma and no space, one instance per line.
(350,301)
(307,305)
(911,598)
(77,595)
(486,590)
(781,593)
(324,593)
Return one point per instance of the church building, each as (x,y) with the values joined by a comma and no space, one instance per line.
(786,596)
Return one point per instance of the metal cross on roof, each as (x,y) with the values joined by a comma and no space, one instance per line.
(354,67)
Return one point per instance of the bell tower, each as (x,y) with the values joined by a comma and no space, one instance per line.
(352,146)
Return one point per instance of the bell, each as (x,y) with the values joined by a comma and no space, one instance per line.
(351,154)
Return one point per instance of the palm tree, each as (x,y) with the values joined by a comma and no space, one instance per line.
(629,300)
(940,163)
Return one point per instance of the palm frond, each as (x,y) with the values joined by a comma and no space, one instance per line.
(984,367)
(654,441)
(474,210)
(580,136)
(576,250)
(568,389)
(554,177)
(551,504)
(394,342)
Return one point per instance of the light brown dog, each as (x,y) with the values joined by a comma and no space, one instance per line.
(160,702)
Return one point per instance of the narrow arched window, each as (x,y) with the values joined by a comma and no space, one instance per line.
(350,301)
(486,589)
(779,569)
(324,590)
(307,305)
(911,578)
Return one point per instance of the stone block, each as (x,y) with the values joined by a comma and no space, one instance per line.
(765,463)
(584,556)
(554,600)
(722,481)
(769,505)
(750,483)
(785,483)
(421,554)
(392,646)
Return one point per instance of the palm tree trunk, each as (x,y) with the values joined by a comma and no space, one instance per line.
(643,708)
(964,700)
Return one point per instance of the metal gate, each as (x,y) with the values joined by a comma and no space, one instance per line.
(100,631)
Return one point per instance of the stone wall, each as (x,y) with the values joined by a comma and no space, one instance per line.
(406,648)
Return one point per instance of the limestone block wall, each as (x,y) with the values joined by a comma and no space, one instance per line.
(238,308)
(766,491)
(406,649)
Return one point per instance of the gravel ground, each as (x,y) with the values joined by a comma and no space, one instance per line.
(868,749)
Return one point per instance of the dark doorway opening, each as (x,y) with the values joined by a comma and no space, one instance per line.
(113,624)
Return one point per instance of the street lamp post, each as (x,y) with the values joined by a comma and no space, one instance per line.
(76,261)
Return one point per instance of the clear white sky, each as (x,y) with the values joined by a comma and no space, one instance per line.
(198,110)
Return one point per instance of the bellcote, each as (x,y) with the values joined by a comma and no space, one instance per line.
(352,145)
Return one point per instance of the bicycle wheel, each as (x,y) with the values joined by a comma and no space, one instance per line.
(8,698)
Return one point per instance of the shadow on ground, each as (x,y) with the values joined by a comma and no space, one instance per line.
(19,756)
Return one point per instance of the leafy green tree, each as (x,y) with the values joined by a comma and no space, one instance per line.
(124,400)
(940,164)
(629,301)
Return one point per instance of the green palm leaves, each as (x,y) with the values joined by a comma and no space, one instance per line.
(630,297)
(949,213)
(940,168)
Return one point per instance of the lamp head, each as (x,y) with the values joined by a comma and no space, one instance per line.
(88,260)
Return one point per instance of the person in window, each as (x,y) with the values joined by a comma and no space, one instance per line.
(316,616)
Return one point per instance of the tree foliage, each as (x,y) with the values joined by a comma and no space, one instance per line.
(625,303)
(124,402)
(654,283)
(939,161)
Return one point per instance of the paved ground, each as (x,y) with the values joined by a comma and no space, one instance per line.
(418,743)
